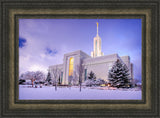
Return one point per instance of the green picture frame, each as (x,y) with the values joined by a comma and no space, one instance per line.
(12,10)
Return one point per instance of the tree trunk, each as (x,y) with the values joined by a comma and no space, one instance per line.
(32,82)
(56,87)
(80,87)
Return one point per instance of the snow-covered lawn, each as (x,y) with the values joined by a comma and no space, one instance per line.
(87,93)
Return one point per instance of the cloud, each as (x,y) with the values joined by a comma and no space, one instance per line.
(39,55)
(51,52)
(22,42)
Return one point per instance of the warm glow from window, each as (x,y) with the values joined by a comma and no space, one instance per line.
(71,62)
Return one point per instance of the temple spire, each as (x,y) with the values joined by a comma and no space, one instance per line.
(97,28)
(97,45)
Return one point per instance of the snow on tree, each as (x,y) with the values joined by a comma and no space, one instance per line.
(92,76)
(80,70)
(93,81)
(27,75)
(119,75)
(73,79)
(33,76)
(55,74)
(99,82)
(38,75)
(70,80)
(88,82)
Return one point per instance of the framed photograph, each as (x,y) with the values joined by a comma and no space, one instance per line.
(56,55)
(79,59)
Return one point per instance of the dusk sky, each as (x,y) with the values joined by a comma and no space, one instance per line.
(43,42)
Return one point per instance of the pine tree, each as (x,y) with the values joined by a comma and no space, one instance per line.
(92,76)
(48,77)
(119,75)
(59,80)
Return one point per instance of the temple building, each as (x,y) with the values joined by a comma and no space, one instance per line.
(78,62)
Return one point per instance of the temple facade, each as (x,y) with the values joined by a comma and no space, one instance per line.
(78,63)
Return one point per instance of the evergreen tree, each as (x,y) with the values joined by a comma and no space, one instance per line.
(119,75)
(92,76)
(59,80)
(48,77)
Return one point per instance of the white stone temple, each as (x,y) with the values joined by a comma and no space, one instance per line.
(78,61)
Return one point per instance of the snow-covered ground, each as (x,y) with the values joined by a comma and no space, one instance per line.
(26,92)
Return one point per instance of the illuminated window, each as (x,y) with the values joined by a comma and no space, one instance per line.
(71,62)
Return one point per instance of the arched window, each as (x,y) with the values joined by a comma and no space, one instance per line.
(71,62)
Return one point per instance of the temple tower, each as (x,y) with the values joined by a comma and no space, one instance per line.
(97,46)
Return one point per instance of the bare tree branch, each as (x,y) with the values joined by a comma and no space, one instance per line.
(80,70)
(55,73)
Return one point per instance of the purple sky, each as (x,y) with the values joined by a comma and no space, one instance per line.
(43,42)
